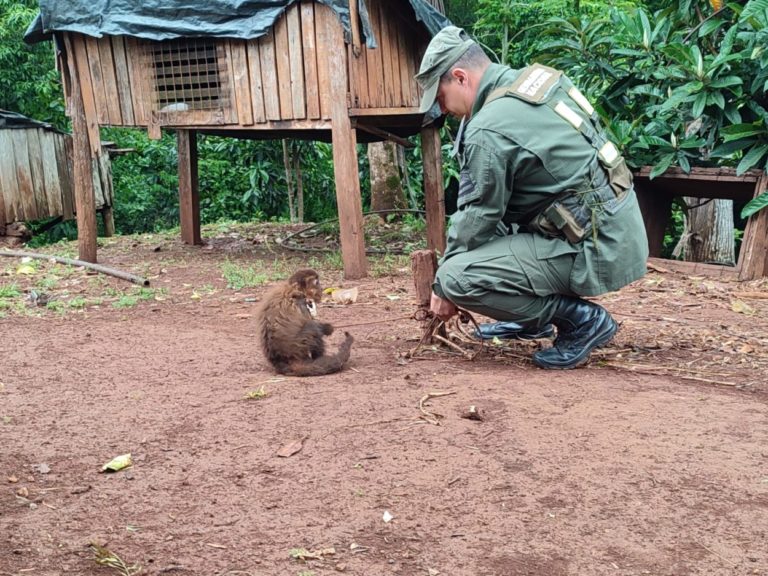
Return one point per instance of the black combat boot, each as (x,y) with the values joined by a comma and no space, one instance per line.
(513,331)
(581,327)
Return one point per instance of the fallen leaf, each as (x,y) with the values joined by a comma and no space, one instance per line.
(12,479)
(345,296)
(25,269)
(117,463)
(23,492)
(742,307)
(43,468)
(291,448)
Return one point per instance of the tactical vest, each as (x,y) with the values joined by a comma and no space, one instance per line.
(571,214)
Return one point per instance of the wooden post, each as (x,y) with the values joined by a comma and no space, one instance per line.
(656,208)
(434,196)
(753,258)
(423,266)
(108,217)
(82,152)
(189,197)
(344,140)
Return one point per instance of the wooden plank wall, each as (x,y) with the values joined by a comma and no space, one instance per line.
(282,76)
(383,77)
(36,176)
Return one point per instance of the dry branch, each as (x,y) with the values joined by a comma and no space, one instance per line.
(69,262)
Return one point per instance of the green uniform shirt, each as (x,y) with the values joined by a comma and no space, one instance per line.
(516,158)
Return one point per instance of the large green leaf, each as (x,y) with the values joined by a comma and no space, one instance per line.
(729,149)
(710,26)
(725,82)
(754,205)
(753,8)
(739,131)
(717,99)
(664,163)
(698,104)
(751,158)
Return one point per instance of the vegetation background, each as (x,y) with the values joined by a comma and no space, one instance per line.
(678,83)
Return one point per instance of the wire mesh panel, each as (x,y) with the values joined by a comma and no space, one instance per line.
(187,75)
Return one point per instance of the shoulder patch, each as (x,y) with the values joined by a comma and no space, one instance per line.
(467,189)
(534,83)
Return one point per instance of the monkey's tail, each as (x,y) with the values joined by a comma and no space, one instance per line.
(319,366)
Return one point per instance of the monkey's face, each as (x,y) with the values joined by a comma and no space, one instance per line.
(305,305)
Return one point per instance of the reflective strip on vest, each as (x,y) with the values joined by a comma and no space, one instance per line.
(608,153)
(565,112)
(581,100)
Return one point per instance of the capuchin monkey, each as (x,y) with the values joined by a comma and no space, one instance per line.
(292,340)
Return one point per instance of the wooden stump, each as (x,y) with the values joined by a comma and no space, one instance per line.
(423,266)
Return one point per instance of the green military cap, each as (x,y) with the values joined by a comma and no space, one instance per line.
(446,47)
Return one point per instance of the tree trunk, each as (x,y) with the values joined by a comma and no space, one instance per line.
(288,180)
(708,233)
(386,186)
(299,187)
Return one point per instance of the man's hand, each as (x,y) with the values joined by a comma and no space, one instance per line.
(442,308)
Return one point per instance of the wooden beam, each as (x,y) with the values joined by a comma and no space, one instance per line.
(696,268)
(391,111)
(404,142)
(83,119)
(189,197)
(354,22)
(434,196)
(344,151)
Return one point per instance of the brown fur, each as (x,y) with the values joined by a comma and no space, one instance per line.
(291,339)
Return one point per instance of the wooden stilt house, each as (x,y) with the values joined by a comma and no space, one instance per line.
(338,70)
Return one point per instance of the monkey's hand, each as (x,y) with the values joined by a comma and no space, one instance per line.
(326,328)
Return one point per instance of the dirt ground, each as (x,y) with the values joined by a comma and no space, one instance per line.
(652,459)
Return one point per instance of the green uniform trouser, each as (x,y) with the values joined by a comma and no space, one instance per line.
(517,278)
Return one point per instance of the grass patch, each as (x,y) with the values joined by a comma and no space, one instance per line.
(78,303)
(126,301)
(239,277)
(9,291)
(48,282)
(389,264)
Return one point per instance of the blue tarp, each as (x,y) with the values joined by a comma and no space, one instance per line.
(167,19)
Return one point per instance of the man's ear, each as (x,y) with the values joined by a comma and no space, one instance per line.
(460,75)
